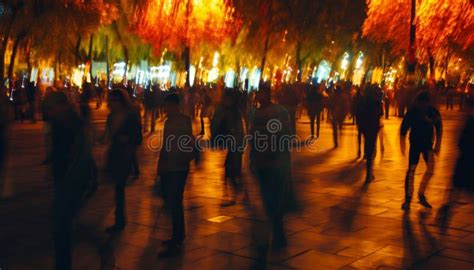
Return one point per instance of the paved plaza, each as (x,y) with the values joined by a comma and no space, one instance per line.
(342,224)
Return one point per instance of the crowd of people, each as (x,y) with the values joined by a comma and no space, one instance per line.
(134,110)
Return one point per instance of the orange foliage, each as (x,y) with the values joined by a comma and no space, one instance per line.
(186,22)
(440,24)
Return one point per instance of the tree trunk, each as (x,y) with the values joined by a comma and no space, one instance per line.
(299,62)
(11,68)
(124,47)
(76,49)
(3,49)
(431,62)
(28,57)
(187,64)
(56,67)
(264,56)
(107,61)
(89,56)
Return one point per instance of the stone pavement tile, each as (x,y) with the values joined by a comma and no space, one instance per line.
(273,256)
(225,261)
(297,224)
(469,228)
(377,260)
(319,260)
(442,263)
(320,242)
(361,249)
(458,245)
(222,241)
(457,254)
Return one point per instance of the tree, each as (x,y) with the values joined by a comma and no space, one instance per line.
(52,29)
(182,24)
(441,25)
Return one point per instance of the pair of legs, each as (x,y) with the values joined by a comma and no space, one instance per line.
(272,190)
(370,143)
(120,221)
(62,228)
(173,184)
(135,166)
(414,158)
(336,126)
(233,171)
(312,117)
(292,113)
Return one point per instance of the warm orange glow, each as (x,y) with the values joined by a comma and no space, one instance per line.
(440,23)
(189,22)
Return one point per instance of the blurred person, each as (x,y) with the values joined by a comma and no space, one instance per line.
(4,121)
(270,161)
(357,108)
(84,99)
(173,167)
(368,119)
(450,93)
(289,100)
(100,93)
(386,102)
(463,176)
(124,132)
(72,169)
(420,120)
(20,100)
(135,110)
(32,91)
(149,109)
(314,100)
(227,129)
(206,103)
(339,107)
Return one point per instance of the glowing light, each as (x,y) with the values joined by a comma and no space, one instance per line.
(229,78)
(192,74)
(215,60)
(323,71)
(360,60)
(345,61)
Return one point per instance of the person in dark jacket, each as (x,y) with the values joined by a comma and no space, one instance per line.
(72,169)
(315,101)
(124,132)
(173,169)
(421,120)
(463,176)
(368,119)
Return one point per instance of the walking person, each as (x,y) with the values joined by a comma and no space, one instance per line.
(368,120)
(72,169)
(124,132)
(270,162)
(206,103)
(314,100)
(173,167)
(421,120)
(227,132)
(463,177)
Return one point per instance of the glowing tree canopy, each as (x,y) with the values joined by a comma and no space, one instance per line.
(178,23)
(441,24)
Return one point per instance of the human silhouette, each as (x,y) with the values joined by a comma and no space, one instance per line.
(421,120)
